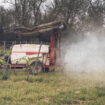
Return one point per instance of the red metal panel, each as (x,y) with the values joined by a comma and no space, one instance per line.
(52,49)
(29,53)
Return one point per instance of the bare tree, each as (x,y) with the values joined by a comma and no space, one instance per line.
(6,18)
(76,13)
(36,10)
(66,9)
(96,12)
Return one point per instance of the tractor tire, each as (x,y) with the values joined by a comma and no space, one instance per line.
(36,67)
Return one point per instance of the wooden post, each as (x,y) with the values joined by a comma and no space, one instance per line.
(4,48)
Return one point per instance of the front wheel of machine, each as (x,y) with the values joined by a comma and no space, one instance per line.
(36,68)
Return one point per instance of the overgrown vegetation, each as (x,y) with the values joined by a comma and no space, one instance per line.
(53,88)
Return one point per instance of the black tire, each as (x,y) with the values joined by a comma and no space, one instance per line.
(36,67)
(46,69)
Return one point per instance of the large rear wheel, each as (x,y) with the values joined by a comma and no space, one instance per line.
(36,67)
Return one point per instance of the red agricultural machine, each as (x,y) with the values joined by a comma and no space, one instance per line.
(43,55)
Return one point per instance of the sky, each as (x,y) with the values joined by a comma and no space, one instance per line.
(7,5)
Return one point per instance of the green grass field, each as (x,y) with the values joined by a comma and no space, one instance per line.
(53,88)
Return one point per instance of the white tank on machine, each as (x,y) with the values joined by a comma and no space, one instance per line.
(21,53)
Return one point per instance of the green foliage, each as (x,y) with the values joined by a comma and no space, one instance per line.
(2,61)
(35,80)
(4,70)
(4,75)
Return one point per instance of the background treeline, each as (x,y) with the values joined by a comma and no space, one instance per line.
(79,15)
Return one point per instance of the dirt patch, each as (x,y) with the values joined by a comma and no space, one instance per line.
(46,100)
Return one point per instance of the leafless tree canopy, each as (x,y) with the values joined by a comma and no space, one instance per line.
(78,14)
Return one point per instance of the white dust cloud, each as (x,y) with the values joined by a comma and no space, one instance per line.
(86,54)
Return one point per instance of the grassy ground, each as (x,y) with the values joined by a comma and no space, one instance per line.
(53,88)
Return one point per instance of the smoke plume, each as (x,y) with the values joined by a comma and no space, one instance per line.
(84,54)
